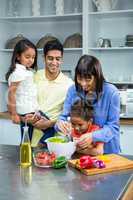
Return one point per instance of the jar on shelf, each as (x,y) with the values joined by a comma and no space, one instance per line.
(36,7)
(59,6)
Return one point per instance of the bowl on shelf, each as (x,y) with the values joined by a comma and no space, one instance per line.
(61,146)
(11,43)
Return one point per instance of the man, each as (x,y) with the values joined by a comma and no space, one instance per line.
(52,86)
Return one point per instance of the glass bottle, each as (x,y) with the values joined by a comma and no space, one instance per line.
(25,149)
(26,175)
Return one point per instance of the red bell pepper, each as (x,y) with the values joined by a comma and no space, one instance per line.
(85,162)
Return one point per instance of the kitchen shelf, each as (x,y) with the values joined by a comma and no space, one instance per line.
(40,50)
(113,13)
(43,18)
(110,48)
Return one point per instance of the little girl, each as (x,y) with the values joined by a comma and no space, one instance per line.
(81,117)
(22,94)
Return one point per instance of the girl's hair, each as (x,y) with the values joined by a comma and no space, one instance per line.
(86,67)
(82,109)
(19,48)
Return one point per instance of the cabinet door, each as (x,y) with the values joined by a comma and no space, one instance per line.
(9,132)
(126,139)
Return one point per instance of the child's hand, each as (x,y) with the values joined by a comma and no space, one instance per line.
(15,118)
(85,142)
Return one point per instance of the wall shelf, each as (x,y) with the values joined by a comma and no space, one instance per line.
(43,18)
(110,48)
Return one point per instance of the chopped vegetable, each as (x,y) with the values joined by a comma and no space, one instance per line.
(59,162)
(98,163)
(57,140)
(45,158)
(85,162)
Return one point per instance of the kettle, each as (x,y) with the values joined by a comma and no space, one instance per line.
(104,42)
(105,5)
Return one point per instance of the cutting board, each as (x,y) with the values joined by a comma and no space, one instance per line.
(115,163)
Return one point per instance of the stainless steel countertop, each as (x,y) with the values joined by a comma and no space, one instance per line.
(64,184)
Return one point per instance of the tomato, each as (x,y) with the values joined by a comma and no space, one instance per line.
(45,158)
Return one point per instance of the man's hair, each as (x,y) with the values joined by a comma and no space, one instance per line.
(82,109)
(53,45)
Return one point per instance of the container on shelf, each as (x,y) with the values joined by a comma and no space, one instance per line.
(59,6)
(10,44)
(36,7)
(42,41)
(105,5)
(73,41)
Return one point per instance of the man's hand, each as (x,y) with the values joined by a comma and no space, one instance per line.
(43,123)
(31,118)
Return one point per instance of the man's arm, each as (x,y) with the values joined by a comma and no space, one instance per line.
(44,123)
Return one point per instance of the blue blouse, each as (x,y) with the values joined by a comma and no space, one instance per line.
(106,115)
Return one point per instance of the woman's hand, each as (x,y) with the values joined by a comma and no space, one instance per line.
(64,126)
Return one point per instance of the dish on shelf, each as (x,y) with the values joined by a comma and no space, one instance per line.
(10,44)
(40,44)
(73,41)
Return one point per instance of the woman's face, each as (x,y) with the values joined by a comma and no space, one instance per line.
(87,84)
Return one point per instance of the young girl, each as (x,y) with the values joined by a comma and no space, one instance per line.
(22,94)
(81,116)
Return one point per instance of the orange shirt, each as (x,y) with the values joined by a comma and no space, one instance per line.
(91,128)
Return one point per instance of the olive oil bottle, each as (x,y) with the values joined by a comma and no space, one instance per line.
(25,149)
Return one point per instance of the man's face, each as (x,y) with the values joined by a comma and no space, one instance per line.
(53,61)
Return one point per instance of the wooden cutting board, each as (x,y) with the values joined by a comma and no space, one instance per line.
(114,163)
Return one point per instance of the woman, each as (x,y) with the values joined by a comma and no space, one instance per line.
(91,85)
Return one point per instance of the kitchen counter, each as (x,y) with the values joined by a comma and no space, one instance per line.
(123,121)
(66,184)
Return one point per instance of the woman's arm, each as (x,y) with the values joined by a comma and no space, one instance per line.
(62,124)
(111,127)
(12,102)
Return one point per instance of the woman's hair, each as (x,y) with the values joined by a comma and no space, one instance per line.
(86,67)
(19,48)
(82,109)
(53,45)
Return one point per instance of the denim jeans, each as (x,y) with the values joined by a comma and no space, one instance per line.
(49,132)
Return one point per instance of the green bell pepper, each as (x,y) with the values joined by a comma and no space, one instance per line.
(59,162)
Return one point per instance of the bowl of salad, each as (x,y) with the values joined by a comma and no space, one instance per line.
(61,146)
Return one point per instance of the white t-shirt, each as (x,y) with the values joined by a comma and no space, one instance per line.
(26,94)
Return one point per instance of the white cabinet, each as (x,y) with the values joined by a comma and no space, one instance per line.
(78,16)
(126,139)
(18,17)
(9,132)
(114,25)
